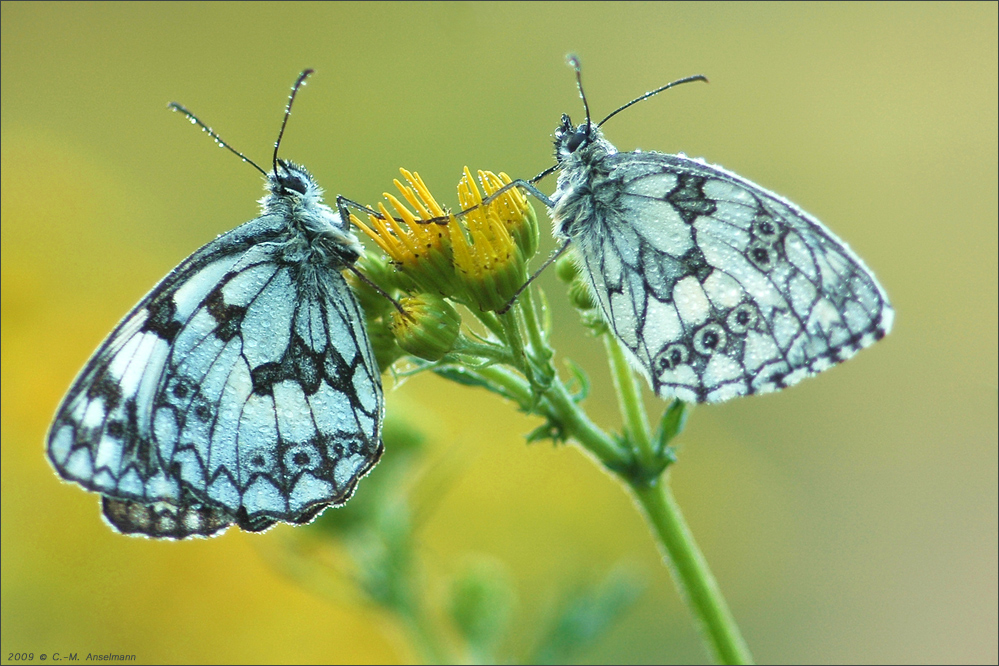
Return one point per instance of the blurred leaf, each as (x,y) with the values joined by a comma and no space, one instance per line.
(480,605)
(585,615)
(384,555)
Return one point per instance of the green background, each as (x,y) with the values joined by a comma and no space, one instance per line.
(852,518)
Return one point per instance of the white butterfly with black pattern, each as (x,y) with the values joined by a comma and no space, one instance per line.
(242,389)
(715,286)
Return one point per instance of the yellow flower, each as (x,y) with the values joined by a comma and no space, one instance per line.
(512,207)
(479,259)
(490,264)
(419,249)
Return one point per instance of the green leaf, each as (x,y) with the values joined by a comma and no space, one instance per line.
(670,425)
(585,615)
(480,606)
(581,378)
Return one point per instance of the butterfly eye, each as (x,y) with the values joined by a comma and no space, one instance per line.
(293,182)
(576,140)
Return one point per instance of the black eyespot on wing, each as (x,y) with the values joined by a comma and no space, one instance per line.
(709,339)
(760,255)
(672,356)
(766,228)
(742,318)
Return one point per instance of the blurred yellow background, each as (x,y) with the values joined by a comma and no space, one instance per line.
(852,518)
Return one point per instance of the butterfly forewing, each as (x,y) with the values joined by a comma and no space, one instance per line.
(241,390)
(715,286)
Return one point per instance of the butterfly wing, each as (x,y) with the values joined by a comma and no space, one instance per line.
(717,287)
(241,389)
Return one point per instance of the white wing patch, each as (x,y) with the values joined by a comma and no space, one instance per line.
(240,390)
(716,287)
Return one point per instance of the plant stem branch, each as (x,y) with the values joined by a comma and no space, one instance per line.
(512,385)
(489,320)
(542,351)
(579,427)
(629,397)
(691,574)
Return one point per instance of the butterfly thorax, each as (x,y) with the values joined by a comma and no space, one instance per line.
(582,196)
(317,236)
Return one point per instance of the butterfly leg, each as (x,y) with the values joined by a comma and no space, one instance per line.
(521,183)
(548,262)
(343,206)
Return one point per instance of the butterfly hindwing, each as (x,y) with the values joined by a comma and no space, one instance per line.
(715,286)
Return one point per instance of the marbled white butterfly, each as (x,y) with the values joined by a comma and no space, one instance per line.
(715,286)
(242,389)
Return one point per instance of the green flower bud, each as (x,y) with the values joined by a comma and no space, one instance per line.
(383,342)
(376,268)
(581,296)
(566,267)
(429,328)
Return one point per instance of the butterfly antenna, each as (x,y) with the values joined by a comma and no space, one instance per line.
(688,79)
(287,111)
(174,106)
(577,66)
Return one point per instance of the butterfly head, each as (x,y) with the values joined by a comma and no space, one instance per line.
(583,142)
(291,180)
(294,195)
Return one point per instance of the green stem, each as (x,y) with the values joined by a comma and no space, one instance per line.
(489,320)
(558,406)
(691,574)
(515,338)
(486,351)
(424,636)
(542,351)
(578,425)
(515,387)
(629,398)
